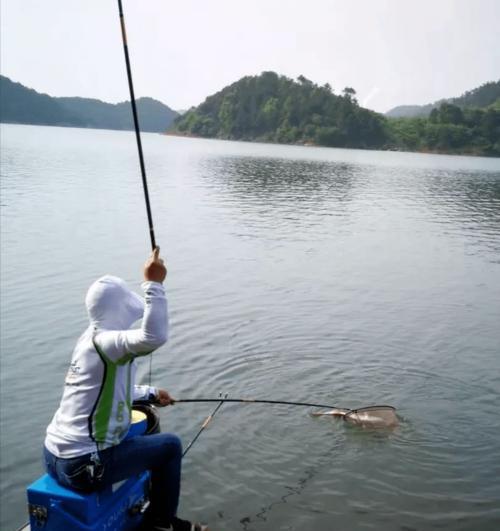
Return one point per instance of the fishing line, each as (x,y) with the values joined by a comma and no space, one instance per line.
(139,143)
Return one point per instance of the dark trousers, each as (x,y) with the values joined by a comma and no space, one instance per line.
(161,454)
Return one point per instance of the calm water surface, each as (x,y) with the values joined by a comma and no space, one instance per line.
(338,276)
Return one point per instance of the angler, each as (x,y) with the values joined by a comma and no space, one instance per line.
(85,447)
(91,445)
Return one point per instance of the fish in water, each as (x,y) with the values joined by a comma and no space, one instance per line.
(372,417)
(331,412)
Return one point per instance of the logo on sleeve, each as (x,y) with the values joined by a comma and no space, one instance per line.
(72,374)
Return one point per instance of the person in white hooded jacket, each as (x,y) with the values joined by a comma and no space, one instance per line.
(84,447)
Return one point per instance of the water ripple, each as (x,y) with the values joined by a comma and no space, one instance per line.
(335,276)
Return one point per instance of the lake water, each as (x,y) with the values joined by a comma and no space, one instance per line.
(336,276)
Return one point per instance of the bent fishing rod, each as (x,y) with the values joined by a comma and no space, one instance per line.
(136,126)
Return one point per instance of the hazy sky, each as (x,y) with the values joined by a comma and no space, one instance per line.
(391,51)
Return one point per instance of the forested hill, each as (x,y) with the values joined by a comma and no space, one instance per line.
(467,124)
(274,108)
(487,95)
(19,104)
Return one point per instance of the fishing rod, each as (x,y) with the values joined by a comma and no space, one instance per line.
(139,143)
(136,126)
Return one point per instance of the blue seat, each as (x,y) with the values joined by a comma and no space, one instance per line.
(120,507)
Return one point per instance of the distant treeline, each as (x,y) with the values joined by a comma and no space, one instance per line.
(481,97)
(449,129)
(273,108)
(19,104)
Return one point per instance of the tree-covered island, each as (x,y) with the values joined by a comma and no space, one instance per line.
(273,108)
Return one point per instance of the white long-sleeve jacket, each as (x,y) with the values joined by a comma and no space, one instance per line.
(94,412)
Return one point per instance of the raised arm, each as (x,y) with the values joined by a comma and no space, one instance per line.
(120,345)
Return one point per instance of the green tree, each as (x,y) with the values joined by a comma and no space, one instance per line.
(349,93)
(450,114)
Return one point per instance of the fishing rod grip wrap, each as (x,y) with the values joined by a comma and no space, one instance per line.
(207,420)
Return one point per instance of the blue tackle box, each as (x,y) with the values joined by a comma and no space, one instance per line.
(120,507)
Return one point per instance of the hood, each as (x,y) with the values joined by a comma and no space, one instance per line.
(112,305)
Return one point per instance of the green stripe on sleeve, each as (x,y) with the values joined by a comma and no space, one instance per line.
(104,407)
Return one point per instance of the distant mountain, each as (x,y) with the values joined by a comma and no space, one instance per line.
(481,97)
(411,111)
(274,108)
(19,104)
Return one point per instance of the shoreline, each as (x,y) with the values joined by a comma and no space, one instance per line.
(313,145)
(253,141)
